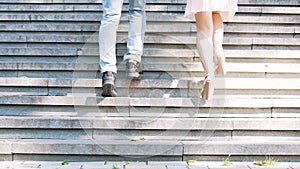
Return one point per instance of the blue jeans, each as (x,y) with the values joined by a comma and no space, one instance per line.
(108,32)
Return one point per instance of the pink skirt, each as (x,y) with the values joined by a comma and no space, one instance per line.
(227,7)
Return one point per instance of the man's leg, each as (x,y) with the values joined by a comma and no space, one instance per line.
(108,34)
(107,44)
(136,36)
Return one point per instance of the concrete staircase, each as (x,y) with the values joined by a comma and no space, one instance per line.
(51,110)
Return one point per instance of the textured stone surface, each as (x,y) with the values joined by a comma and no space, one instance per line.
(53,46)
(98,147)
(41,122)
(140,165)
(241,148)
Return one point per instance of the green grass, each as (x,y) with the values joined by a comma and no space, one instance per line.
(160,75)
(227,161)
(191,161)
(64,162)
(115,166)
(269,161)
(139,139)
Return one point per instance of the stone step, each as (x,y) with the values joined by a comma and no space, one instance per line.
(264,121)
(149,135)
(151,71)
(151,16)
(238,126)
(45,148)
(65,43)
(239,87)
(263,19)
(262,56)
(152,27)
(218,102)
(191,55)
(241,2)
(156,38)
(269,2)
(157,7)
(150,128)
(144,165)
(248,28)
(45,51)
(151,54)
(268,9)
(229,106)
(110,111)
(231,83)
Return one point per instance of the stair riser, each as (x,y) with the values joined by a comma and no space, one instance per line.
(132,91)
(51,118)
(150,135)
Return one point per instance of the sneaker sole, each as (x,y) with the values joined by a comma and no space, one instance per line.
(108,90)
(135,75)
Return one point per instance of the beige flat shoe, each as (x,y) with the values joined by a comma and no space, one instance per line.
(220,66)
(207,90)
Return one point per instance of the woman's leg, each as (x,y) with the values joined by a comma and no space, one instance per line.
(218,34)
(204,25)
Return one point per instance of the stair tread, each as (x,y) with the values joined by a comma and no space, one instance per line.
(179,164)
(155,52)
(231,83)
(242,2)
(154,123)
(156,38)
(84,8)
(167,67)
(80,100)
(50,107)
(150,17)
(152,27)
(126,147)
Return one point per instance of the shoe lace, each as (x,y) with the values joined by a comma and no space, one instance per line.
(109,74)
(132,65)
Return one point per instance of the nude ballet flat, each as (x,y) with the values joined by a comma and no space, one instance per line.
(220,66)
(207,90)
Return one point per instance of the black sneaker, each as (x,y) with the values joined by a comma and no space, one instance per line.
(108,84)
(133,69)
